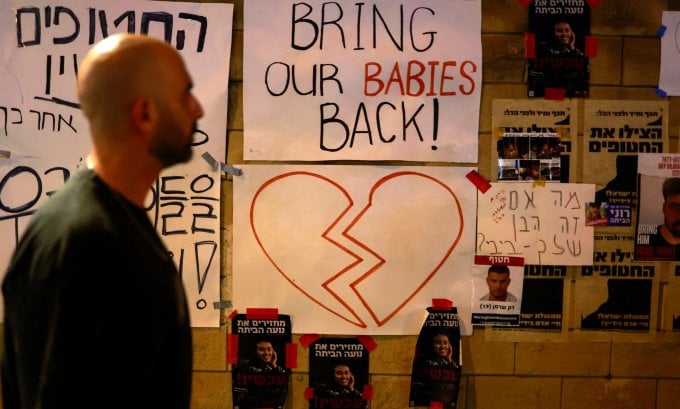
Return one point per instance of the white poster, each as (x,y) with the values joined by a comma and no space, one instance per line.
(386,80)
(353,249)
(46,137)
(669,77)
(544,223)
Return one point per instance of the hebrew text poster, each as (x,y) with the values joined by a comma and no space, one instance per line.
(47,137)
(543,223)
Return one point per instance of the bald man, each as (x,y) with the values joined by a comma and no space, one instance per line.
(95,311)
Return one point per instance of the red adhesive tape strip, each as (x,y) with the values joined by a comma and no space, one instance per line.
(442,304)
(307,339)
(309,393)
(367,392)
(368,342)
(291,355)
(591,46)
(232,349)
(478,180)
(262,313)
(529,45)
(555,94)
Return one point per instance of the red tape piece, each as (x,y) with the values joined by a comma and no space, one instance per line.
(262,313)
(309,393)
(478,180)
(591,46)
(529,45)
(233,314)
(436,405)
(307,339)
(525,3)
(368,342)
(555,94)
(291,355)
(367,392)
(232,349)
(441,304)
(594,3)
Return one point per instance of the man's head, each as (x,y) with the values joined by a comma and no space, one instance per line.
(498,280)
(265,351)
(342,374)
(134,86)
(671,205)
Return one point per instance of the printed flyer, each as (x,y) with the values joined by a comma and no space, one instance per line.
(497,290)
(657,236)
(435,379)
(338,372)
(558,63)
(615,132)
(260,376)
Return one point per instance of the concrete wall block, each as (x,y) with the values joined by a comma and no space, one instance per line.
(211,390)
(503,16)
(661,359)
(487,358)
(389,357)
(627,17)
(503,57)
(506,392)
(579,393)
(641,61)
(562,358)
(667,394)
(210,349)
(605,67)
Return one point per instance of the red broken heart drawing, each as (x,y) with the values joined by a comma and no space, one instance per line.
(341,258)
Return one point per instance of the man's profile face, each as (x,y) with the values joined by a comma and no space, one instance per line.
(671,214)
(498,285)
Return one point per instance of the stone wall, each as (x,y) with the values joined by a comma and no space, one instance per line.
(572,370)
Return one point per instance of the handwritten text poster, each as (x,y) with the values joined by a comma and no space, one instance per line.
(386,80)
(353,249)
(47,137)
(545,224)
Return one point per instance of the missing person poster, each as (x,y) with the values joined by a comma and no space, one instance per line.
(657,235)
(534,140)
(435,379)
(338,372)
(615,132)
(497,290)
(260,376)
(558,64)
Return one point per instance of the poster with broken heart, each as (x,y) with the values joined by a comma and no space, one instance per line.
(353,249)
(497,283)
(544,223)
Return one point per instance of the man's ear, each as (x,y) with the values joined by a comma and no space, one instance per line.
(144,115)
